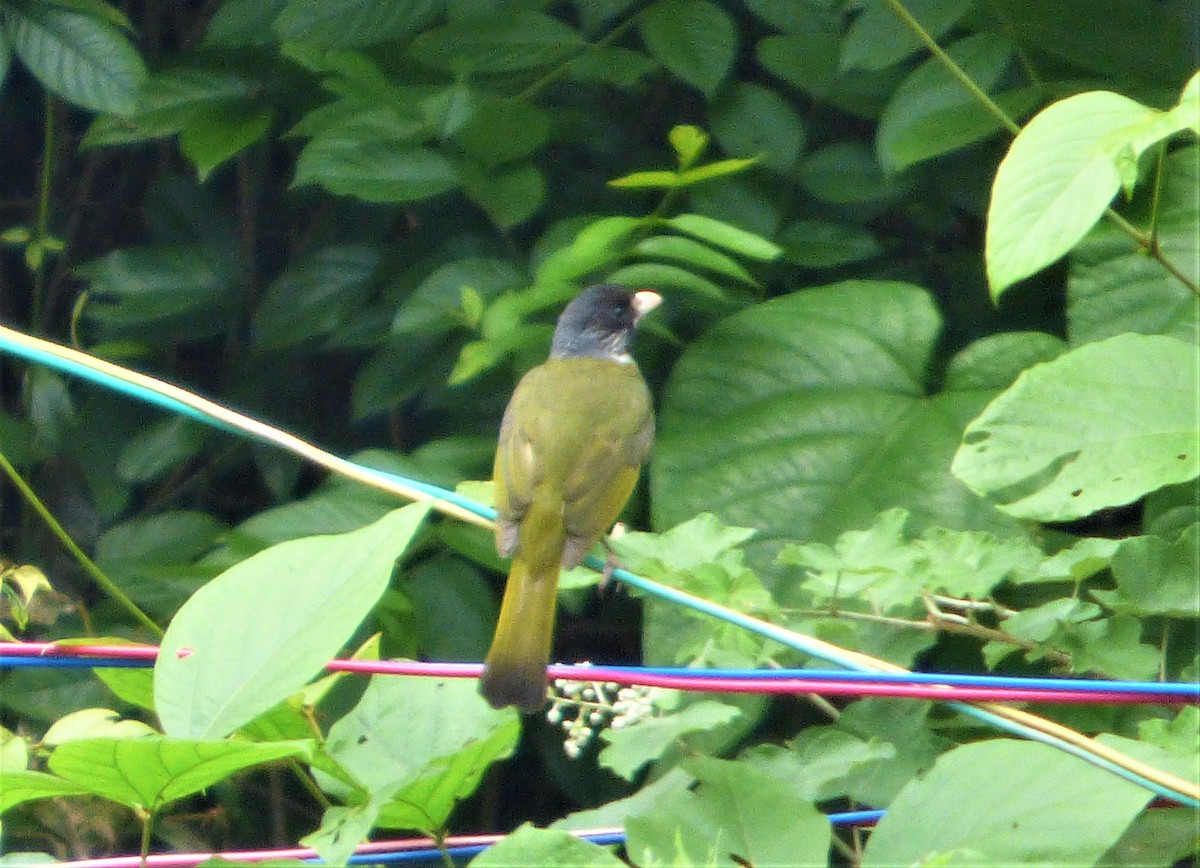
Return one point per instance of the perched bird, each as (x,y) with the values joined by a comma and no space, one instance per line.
(572,442)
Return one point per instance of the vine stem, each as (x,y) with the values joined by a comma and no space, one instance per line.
(42,229)
(1149,243)
(89,566)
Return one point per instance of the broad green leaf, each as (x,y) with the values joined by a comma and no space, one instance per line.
(808,59)
(372,170)
(700,256)
(661,277)
(737,815)
(808,415)
(351,22)
(597,245)
(819,761)
(878,38)
(750,120)
(151,772)
(1055,183)
(159,449)
(317,293)
(1081,561)
(5,55)
(847,173)
(630,748)
(1156,577)
(502,130)
(549,848)
(1114,287)
(510,195)
(932,113)
(1004,802)
(169,100)
(1100,426)
(93,723)
(615,812)
(721,234)
(694,39)
(818,244)
(215,134)
(259,632)
(149,292)
(434,306)
(506,42)
(83,59)
(1112,647)
(1101,40)
(19,785)
(426,742)
(239,23)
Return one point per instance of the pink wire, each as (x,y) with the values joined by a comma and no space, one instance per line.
(828,687)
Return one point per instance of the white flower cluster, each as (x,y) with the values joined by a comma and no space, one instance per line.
(583,708)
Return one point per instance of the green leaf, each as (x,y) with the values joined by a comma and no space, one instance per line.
(83,59)
(159,449)
(19,785)
(433,307)
(426,742)
(5,62)
(318,292)
(719,169)
(932,113)
(654,180)
(344,163)
(240,23)
(847,173)
(510,195)
(808,415)
(750,120)
(689,143)
(550,848)
(819,244)
(1114,287)
(352,23)
(692,253)
(720,234)
(1100,41)
(598,244)
(508,42)
(93,723)
(1004,802)
(151,772)
(1156,577)
(737,814)
(662,276)
(808,59)
(213,135)
(694,39)
(259,631)
(1100,426)
(878,38)
(1055,183)
(630,748)
(819,761)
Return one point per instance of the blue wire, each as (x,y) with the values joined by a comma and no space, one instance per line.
(845,818)
(72,663)
(1066,685)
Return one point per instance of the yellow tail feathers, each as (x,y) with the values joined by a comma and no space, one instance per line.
(515,670)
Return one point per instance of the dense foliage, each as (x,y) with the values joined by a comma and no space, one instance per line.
(919,395)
